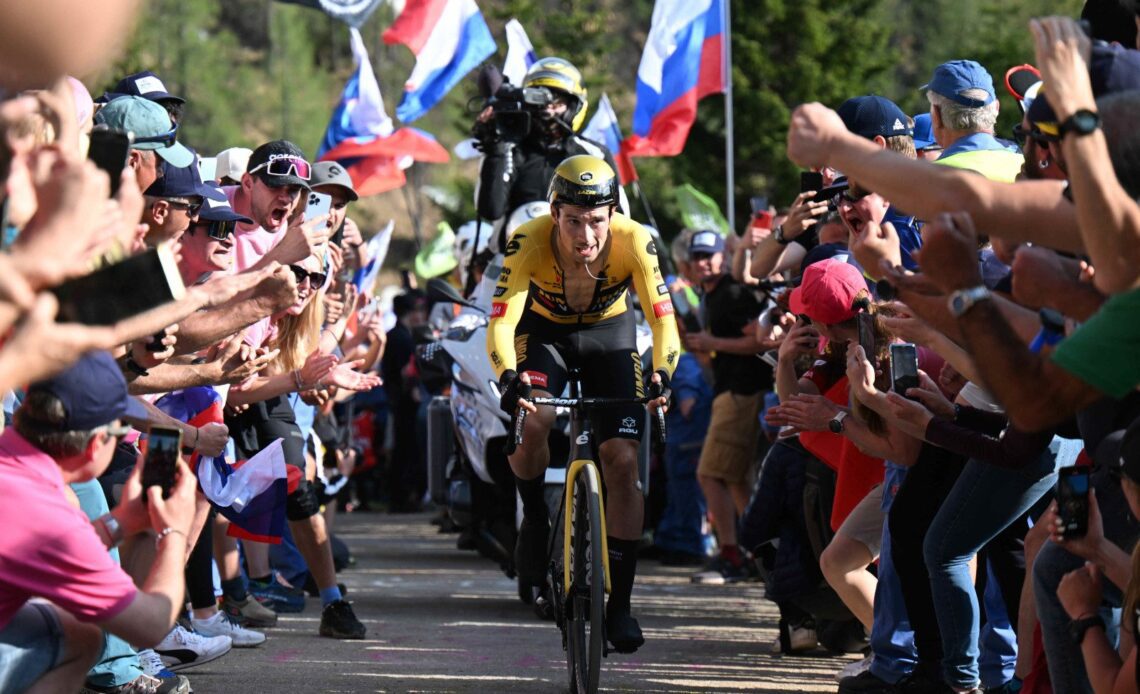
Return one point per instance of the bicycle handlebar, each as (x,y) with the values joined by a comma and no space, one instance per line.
(518,422)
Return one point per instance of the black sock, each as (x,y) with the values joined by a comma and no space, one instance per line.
(623,567)
(261,579)
(534,503)
(234,589)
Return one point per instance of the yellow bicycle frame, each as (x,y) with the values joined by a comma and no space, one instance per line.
(571,478)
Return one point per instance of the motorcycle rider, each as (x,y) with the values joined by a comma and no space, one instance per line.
(562,299)
(523,141)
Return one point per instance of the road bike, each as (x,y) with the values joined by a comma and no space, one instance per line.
(580,575)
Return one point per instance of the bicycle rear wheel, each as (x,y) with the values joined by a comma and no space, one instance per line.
(585,601)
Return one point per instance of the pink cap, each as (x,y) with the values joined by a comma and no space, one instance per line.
(83,105)
(828,291)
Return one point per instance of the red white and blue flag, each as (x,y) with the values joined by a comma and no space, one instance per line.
(250,493)
(683,62)
(605,129)
(449,38)
(361,137)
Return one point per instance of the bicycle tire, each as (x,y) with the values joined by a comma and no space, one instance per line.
(586,599)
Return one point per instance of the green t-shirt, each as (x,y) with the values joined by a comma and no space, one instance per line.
(1105,351)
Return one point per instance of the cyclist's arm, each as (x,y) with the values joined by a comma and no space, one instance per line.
(655,303)
(506,310)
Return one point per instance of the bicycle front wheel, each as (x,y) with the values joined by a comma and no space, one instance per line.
(587,594)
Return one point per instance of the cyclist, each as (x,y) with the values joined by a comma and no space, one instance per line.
(563,298)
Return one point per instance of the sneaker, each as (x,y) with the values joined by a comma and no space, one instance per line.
(798,638)
(221,625)
(623,632)
(865,683)
(182,649)
(277,597)
(530,552)
(854,669)
(720,571)
(338,621)
(249,612)
(144,684)
(152,665)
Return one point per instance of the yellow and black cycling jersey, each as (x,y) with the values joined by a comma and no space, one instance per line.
(531,280)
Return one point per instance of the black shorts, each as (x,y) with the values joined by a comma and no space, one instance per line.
(264,422)
(606,354)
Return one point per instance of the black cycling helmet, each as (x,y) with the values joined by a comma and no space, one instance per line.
(584,181)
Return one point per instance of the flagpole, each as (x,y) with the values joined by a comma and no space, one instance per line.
(729,158)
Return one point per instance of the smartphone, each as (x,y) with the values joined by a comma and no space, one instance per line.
(1073,500)
(810,180)
(319,204)
(866,325)
(109,150)
(163,446)
(121,290)
(771,358)
(759,204)
(904,368)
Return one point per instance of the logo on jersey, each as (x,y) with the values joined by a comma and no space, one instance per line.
(514,245)
(499,309)
(661,308)
(495,359)
(499,291)
(671,356)
(628,426)
(582,439)
(662,290)
(651,248)
(536,378)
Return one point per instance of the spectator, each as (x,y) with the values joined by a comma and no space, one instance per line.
(728,455)
(155,136)
(64,432)
(148,85)
(405,468)
(173,202)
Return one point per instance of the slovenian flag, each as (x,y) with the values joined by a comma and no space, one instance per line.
(250,493)
(450,38)
(604,129)
(682,63)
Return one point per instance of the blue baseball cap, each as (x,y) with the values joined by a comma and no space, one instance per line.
(923,132)
(93,393)
(145,84)
(957,76)
(218,209)
(869,116)
(1112,69)
(706,242)
(151,126)
(183,182)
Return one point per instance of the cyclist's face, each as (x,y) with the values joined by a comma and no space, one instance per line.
(582,231)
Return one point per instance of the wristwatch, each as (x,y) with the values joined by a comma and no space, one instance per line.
(964,299)
(779,236)
(1083,122)
(836,423)
(114,530)
(1078,627)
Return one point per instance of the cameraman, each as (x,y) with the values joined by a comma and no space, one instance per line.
(524,133)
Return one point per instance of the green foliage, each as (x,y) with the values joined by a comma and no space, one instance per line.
(256,69)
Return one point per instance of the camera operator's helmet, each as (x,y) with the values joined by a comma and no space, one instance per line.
(561,75)
(584,181)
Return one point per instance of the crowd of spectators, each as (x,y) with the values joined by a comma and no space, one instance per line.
(924,526)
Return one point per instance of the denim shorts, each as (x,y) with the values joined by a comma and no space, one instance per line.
(31,645)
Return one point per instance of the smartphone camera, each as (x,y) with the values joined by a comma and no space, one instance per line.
(904,368)
(1073,501)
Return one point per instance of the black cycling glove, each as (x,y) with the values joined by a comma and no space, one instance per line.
(511,388)
(658,390)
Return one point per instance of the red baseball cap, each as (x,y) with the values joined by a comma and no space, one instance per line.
(827,292)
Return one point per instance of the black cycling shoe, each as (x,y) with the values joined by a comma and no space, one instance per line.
(530,552)
(623,632)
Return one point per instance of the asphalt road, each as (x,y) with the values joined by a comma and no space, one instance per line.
(444,620)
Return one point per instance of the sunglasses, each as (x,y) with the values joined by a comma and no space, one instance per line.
(285,166)
(192,208)
(848,196)
(1022,135)
(316,279)
(220,231)
(112,432)
(165,139)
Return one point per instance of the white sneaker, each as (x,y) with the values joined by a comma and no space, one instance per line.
(152,664)
(221,625)
(182,649)
(854,669)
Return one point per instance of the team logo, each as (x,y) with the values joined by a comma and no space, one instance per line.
(513,245)
(629,422)
(651,248)
(662,290)
(586,177)
(582,440)
(663,308)
(335,170)
(628,426)
(499,291)
(536,378)
(498,309)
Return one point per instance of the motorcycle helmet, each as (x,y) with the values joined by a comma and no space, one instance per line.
(466,248)
(561,75)
(585,181)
